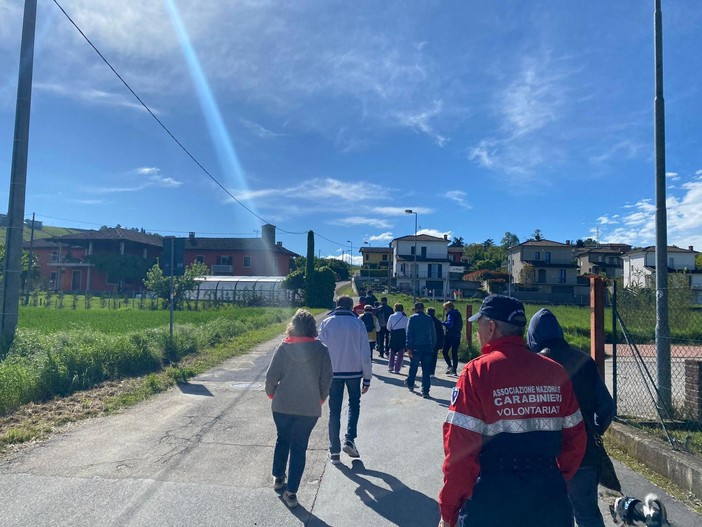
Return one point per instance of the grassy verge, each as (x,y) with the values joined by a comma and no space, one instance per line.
(35,421)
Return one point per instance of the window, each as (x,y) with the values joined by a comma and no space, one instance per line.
(439,270)
(547,256)
(424,252)
(429,269)
(561,276)
(366,257)
(537,255)
(385,257)
(52,279)
(224,260)
(200,259)
(671,263)
(54,256)
(542,276)
(247,261)
(413,249)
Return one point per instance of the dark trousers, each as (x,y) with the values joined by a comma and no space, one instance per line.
(451,343)
(336,399)
(434,358)
(526,499)
(293,436)
(383,340)
(423,357)
(582,491)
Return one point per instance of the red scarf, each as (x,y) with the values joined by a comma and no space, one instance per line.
(296,340)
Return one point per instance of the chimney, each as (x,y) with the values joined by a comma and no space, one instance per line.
(268,233)
(691,247)
(279,244)
(446,237)
(191,237)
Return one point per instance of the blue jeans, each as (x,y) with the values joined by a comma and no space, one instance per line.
(293,436)
(336,398)
(582,491)
(423,357)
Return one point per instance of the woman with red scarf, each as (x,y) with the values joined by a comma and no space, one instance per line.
(298,381)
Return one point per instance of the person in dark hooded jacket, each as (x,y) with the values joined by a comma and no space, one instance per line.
(545,336)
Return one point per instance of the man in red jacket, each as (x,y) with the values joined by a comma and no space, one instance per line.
(514,432)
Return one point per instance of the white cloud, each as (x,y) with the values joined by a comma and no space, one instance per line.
(382,237)
(399,211)
(684,218)
(459,197)
(259,131)
(673,176)
(152,179)
(362,220)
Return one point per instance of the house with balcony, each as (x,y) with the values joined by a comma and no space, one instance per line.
(240,256)
(109,259)
(605,259)
(420,264)
(116,259)
(640,268)
(545,270)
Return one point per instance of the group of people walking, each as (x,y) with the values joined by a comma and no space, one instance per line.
(524,417)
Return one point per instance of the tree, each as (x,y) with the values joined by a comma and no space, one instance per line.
(320,288)
(538,235)
(160,284)
(481,257)
(488,243)
(509,240)
(457,242)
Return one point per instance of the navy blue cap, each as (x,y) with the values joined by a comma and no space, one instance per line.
(502,308)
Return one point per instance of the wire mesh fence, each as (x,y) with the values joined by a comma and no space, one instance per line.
(638,397)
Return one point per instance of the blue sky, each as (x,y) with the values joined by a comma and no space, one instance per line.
(483,116)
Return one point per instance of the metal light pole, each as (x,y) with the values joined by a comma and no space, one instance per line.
(662,322)
(416,271)
(350,252)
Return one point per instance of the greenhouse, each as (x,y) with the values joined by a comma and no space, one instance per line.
(246,290)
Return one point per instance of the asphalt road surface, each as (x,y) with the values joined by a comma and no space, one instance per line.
(200,455)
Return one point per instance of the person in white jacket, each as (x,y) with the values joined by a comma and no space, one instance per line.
(346,338)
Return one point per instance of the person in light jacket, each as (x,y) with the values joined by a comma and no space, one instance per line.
(298,381)
(345,336)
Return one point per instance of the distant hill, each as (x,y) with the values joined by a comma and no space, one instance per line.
(45,232)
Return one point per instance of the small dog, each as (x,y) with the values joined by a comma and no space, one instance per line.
(630,511)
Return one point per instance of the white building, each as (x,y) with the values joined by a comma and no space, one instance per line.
(640,268)
(431,274)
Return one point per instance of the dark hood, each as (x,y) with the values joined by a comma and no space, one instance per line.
(543,328)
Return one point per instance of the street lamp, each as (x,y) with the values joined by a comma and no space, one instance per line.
(350,252)
(416,272)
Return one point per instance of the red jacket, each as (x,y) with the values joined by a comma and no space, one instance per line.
(508,402)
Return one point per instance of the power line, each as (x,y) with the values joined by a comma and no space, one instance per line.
(172,136)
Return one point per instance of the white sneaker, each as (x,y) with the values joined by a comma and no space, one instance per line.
(278,483)
(334,458)
(350,449)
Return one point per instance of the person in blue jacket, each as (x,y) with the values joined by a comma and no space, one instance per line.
(545,336)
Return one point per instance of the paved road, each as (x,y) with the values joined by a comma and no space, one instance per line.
(200,455)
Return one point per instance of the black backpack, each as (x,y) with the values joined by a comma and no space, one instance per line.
(368,321)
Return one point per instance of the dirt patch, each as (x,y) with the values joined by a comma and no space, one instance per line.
(36,421)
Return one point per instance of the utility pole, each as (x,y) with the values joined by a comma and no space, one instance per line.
(662,323)
(18,181)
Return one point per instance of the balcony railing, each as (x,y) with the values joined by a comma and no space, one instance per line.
(218,268)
